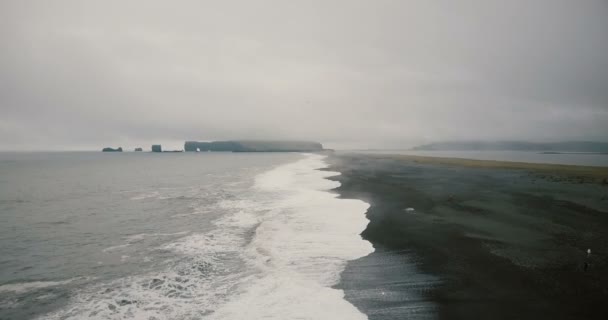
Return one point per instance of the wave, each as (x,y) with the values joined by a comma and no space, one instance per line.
(301,246)
(140,237)
(275,253)
(23,287)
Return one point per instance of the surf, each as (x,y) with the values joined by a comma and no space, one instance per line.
(301,247)
(276,252)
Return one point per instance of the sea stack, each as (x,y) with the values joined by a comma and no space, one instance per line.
(156,148)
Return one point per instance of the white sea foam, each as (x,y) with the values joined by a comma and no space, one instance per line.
(117,247)
(140,237)
(301,246)
(147,195)
(23,287)
(211,268)
(275,254)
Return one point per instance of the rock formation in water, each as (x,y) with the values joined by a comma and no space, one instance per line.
(156,148)
(254,146)
(139,149)
(108,149)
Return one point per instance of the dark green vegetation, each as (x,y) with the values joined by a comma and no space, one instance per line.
(254,146)
(570,146)
(506,242)
(108,149)
(554,172)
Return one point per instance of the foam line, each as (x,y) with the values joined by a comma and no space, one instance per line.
(301,247)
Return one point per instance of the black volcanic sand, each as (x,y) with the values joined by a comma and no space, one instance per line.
(481,243)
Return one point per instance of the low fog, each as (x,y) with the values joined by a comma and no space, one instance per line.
(351,74)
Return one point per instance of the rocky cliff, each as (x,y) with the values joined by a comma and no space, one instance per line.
(254,146)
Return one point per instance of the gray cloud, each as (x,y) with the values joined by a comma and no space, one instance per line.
(85,74)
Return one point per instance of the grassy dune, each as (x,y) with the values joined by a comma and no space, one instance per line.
(558,172)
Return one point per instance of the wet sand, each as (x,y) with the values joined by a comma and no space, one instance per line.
(474,239)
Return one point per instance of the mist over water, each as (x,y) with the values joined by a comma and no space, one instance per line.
(350,74)
(175,236)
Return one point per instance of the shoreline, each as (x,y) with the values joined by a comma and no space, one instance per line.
(485,239)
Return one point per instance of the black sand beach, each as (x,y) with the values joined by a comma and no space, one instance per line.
(480,240)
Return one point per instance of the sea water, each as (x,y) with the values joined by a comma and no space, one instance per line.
(174,236)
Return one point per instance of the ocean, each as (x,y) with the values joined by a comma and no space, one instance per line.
(174,236)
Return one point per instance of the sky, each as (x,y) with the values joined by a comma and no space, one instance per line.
(77,75)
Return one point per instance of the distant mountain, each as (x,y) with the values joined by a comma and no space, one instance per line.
(568,146)
(254,146)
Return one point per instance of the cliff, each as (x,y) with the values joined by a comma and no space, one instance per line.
(254,146)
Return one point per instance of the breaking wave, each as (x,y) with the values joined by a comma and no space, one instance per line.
(274,254)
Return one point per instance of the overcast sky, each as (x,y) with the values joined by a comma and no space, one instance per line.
(88,74)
